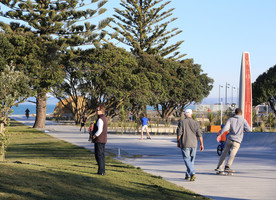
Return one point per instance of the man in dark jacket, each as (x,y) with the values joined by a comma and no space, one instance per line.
(188,131)
(100,139)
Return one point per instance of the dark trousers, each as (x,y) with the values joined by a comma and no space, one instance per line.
(99,149)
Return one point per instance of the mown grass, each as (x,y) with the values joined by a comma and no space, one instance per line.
(39,166)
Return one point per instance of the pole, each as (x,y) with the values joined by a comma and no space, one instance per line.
(232,93)
(226,86)
(220,114)
(220,86)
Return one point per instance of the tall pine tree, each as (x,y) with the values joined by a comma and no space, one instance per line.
(143,25)
(58,24)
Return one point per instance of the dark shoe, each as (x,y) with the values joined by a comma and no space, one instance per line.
(188,178)
(149,138)
(101,174)
(193,177)
(227,169)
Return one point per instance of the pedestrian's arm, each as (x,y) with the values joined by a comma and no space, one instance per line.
(178,141)
(201,147)
(179,132)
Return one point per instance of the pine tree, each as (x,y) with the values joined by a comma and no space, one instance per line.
(143,24)
(59,24)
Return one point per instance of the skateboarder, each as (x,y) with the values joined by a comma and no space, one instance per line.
(145,121)
(237,125)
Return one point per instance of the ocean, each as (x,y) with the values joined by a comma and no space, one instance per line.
(20,110)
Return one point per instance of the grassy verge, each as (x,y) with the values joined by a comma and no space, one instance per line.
(39,166)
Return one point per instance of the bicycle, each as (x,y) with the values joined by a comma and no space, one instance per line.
(220,148)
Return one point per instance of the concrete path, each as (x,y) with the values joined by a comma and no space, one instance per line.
(255,164)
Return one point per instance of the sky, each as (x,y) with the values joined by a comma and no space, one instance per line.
(216,32)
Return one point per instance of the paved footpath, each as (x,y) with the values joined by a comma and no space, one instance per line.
(255,163)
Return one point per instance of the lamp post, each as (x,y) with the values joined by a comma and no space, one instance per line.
(232,93)
(220,86)
(226,86)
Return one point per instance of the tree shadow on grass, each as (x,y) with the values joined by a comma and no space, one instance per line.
(45,149)
(20,182)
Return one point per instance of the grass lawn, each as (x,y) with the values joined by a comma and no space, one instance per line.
(39,166)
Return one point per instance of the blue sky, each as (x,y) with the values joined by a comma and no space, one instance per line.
(216,32)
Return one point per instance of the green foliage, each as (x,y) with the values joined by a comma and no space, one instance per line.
(55,25)
(211,116)
(6,50)
(59,18)
(13,87)
(183,83)
(143,25)
(106,75)
(270,120)
(264,86)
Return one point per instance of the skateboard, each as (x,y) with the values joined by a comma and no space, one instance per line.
(225,173)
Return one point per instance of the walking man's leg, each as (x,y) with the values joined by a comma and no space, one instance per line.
(188,160)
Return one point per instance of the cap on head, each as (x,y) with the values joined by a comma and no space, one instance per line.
(188,111)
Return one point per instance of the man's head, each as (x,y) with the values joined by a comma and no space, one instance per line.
(100,109)
(238,111)
(188,113)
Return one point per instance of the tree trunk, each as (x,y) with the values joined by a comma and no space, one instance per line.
(2,143)
(41,108)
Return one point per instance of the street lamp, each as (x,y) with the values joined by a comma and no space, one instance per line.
(226,86)
(232,93)
(220,86)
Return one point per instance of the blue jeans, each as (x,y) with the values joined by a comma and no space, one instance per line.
(189,155)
